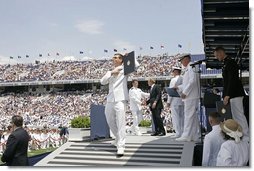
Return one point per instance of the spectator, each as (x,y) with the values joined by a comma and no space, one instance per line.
(235,151)
(15,153)
(212,141)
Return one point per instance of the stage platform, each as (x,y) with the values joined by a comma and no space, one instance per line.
(145,150)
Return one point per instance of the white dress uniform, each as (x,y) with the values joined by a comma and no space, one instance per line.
(233,154)
(190,88)
(135,95)
(212,144)
(116,104)
(177,109)
(45,140)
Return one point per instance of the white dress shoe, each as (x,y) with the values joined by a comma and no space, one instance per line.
(120,151)
(113,143)
(183,139)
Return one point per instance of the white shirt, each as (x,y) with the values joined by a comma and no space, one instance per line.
(191,82)
(151,87)
(174,101)
(135,95)
(37,137)
(44,136)
(233,154)
(212,144)
(118,90)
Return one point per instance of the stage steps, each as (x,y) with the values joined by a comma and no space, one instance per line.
(139,151)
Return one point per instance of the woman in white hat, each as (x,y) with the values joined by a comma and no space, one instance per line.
(235,151)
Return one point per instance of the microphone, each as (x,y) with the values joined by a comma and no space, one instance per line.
(199,62)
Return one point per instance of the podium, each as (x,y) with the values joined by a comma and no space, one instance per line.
(210,100)
(99,125)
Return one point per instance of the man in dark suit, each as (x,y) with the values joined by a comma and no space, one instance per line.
(156,106)
(17,144)
(233,91)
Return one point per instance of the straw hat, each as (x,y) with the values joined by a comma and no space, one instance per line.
(232,129)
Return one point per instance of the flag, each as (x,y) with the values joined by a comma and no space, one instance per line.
(115,50)
(140,48)
(105,51)
(19,56)
(57,54)
(27,56)
(151,47)
(48,54)
(162,47)
(180,46)
(11,57)
(40,55)
(81,52)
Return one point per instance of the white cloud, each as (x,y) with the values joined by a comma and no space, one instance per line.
(90,26)
(120,45)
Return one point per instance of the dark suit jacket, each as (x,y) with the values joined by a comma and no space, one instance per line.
(155,95)
(232,84)
(16,148)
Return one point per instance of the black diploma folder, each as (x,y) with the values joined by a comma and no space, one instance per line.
(224,111)
(172,92)
(129,63)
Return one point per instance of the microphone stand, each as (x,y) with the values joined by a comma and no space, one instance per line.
(200,98)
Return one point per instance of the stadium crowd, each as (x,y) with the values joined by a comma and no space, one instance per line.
(81,70)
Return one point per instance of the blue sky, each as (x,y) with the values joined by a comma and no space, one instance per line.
(31,27)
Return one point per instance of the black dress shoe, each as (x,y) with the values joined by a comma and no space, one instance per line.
(161,134)
(154,134)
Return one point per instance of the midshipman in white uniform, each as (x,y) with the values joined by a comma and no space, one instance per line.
(116,101)
(176,104)
(136,95)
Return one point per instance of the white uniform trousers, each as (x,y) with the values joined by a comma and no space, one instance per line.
(238,115)
(137,117)
(177,112)
(191,125)
(115,116)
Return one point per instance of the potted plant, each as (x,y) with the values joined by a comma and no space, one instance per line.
(145,126)
(80,128)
